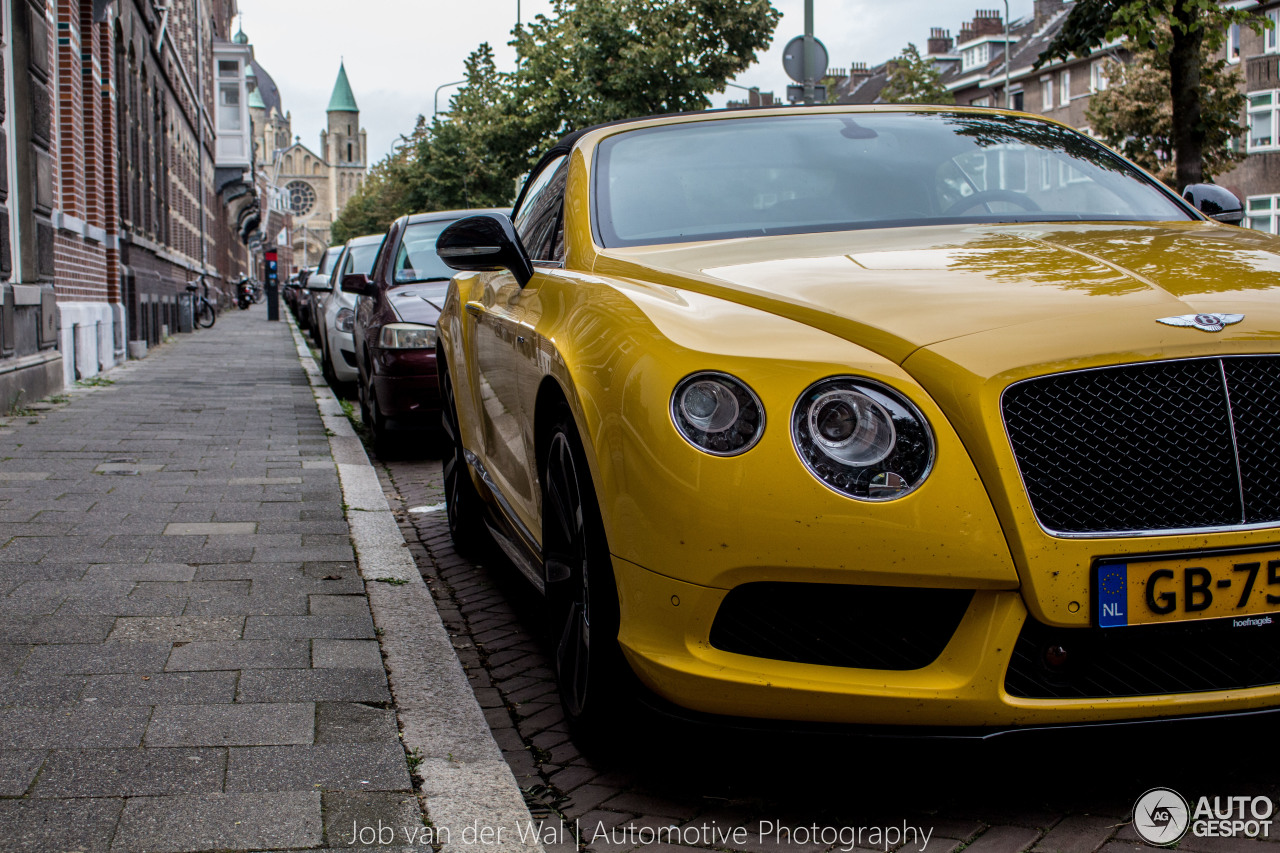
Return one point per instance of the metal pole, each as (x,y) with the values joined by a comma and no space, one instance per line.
(1008,97)
(435,102)
(808,52)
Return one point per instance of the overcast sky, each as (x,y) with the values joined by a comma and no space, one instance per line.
(398,51)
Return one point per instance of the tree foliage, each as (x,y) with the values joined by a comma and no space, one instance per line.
(1179,33)
(590,61)
(914,79)
(1134,114)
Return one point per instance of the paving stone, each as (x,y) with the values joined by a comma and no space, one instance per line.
(338,605)
(258,724)
(210,528)
(1004,839)
(304,685)
(130,772)
(1078,834)
(140,572)
(161,688)
(11,657)
(41,826)
(18,768)
(346,654)
(197,822)
(240,654)
(97,658)
(40,690)
(88,726)
(322,627)
(55,629)
(352,722)
(348,811)
(178,629)
(249,605)
(327,767)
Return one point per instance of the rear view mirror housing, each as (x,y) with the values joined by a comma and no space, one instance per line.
(485,243)
(358,283)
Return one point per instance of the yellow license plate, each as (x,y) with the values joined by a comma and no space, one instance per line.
(1181,589)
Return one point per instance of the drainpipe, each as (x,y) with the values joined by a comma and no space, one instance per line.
(204,242)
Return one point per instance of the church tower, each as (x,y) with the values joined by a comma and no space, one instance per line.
(343,143)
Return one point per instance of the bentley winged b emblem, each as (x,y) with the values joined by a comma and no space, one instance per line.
(1203,322)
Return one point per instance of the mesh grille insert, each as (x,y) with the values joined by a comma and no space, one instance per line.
(1149,446)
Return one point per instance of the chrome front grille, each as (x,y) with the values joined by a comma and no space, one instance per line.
(1162,446)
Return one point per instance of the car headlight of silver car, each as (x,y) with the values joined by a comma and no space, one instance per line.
(717,413)
(862,439)
(407,336)
(345,320)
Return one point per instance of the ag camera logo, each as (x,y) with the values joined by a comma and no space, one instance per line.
(1161,817)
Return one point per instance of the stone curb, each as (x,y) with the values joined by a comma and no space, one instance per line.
(467,787)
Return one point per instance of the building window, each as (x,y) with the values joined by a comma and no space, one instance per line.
(1046,93)
(984,101)
(301,197)
(229,106)
(1065,78)
(1262,120)
(1017,102)
(1099,77)
(228,68)
(1233,43)
(976,56)
(1271,40)
(1262,212)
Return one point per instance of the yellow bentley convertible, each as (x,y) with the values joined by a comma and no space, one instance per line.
(926,417)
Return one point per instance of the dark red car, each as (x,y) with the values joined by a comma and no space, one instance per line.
(395,328)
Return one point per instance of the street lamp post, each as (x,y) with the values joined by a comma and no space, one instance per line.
(435,101)
(749,90)
(1008,98)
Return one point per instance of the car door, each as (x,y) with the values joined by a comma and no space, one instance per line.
(507,345)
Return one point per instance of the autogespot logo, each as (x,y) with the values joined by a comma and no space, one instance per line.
(1160,817)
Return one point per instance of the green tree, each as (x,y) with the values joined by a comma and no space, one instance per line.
(914,79)
(1180,33)
(590,61)
(1135,116)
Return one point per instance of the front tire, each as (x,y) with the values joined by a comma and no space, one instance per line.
(462,502)
(581,591)
(207,315)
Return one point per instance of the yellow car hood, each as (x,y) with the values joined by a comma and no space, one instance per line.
(895,291)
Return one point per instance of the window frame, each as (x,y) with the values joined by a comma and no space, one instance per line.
(544,180)
(1064,81)
(1271,213)
(1046,92)
(1271,36)
(1251,110)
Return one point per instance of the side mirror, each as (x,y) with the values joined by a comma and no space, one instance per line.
(358,283)
(320,285)
(1215,202)
(485,243)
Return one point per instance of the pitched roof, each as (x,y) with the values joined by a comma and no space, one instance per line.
(342,100)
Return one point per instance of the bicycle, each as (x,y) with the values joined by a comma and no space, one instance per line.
(203,313)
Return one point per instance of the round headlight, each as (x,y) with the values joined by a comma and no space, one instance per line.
(717,413)
(862,439)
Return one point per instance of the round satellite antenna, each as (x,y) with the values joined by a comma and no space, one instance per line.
(793,63)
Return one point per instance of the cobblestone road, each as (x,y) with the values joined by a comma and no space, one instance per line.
(1064,793)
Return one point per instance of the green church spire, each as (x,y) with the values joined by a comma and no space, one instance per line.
(342,100)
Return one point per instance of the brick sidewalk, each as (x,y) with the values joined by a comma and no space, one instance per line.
(187,658)
(1069,793)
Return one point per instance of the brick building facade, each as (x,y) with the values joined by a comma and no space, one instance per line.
(30,363)
(109,179)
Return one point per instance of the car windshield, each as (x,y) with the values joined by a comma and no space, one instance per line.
(798,174)
(326,261)
(360,259)
(417,259)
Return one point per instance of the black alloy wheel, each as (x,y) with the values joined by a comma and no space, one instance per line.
(581,591)
(462,502)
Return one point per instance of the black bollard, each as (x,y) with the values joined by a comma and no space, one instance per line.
(273,301)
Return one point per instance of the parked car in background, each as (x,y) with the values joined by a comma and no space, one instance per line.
(395,329)
(899,416)
(337,312)
(317,285)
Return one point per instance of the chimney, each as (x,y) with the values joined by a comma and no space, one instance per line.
(939,41)
(966,33)
(987,22)
(1046,9)
(858,73)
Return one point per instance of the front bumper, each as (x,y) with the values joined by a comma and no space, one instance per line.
(407,386)
(665,631)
